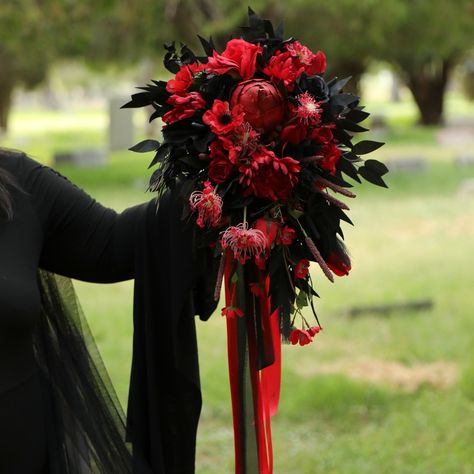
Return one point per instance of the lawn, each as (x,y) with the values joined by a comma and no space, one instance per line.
(374,394)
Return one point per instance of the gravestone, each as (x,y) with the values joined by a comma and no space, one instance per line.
(86,158)
(464,160)
(121,132)
(412,164)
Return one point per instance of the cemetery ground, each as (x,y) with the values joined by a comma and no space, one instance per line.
(374,394)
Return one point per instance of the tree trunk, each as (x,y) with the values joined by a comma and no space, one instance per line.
(428,86)
(7,85)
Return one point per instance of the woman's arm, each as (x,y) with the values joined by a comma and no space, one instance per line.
(82,238)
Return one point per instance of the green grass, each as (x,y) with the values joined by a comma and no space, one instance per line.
(414,241)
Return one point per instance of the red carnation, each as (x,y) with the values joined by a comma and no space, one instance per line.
(184,106)
(267,176)
(282,67)
(184,78)
(305,58)
(330,156)
(221,118)
(238,58)
(262,103)
(301,269)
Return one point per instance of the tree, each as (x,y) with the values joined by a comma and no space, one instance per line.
(37,32)
(427,39)
(350,32)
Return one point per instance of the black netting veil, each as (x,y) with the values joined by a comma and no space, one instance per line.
(86,428)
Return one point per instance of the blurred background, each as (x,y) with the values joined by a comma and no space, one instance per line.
(388,386)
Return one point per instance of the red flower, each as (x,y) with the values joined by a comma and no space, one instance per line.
(330,156)
(282,67)
(322,135)
(245,243)
(286,236)
(301,269)
(184,78)
(294,133)
(308,110)
(266,176)
(339,263)
(305,58)
(184,106)
(314,330)
(221,118)
(230,312)
(208,204)
(262,103)
(301,337)
(220,169)
(238,58)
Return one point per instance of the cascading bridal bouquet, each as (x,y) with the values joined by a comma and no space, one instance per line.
(262,145)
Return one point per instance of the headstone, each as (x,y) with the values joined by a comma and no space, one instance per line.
(87,158)
(464,160)
(413,164)
(121,132)
(467,187)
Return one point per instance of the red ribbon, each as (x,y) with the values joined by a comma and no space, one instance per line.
(265,382)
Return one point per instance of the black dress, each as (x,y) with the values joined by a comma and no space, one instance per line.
(59,228)
(54,398)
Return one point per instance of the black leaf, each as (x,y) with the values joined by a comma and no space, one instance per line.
(208,46)
(162,154)
(348,168)
(357,115)
(145,146)
(366,146)
(351,126)
(376,167)
(372,176)
(337,86)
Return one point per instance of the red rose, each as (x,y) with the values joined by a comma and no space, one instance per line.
(314,330)
(184,78)
(239,57)
(301,269)
(220,169)
(294,133)
(221,118)
(322,135)
(330,156)
(184,106)
(262,103)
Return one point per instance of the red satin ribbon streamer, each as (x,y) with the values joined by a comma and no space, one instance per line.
(265,383)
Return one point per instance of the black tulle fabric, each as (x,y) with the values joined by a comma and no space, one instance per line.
(85,422)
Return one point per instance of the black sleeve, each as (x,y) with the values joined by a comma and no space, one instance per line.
(82,238)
